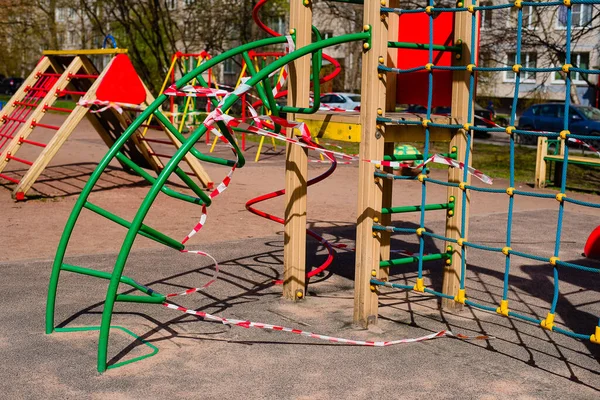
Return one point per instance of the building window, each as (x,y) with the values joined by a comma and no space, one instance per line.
(579,60)
(61,14)
(189,3)
(530,17)
(228,66)
(528,60)
(171,4)
(581,15)
(486,16)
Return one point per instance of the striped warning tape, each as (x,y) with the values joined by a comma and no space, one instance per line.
(332,339)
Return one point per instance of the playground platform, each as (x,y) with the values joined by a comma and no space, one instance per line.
(200,359)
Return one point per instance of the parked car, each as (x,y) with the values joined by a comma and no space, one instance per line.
(10,85)
(346,101)
(583,120)
(483,117)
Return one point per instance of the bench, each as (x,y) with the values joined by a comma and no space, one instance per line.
(543,159)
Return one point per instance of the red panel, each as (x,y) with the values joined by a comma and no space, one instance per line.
(121,84)
(413,86)
(592,246)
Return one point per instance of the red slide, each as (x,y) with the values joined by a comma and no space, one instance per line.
(592,246)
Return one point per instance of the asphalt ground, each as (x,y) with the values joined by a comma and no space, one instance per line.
(208,360)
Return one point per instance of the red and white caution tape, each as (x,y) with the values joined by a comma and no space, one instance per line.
(194,91)
(584,144)
(438,159)
(332,339)
(109,104)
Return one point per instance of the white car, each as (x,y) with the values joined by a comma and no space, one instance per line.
(346,101)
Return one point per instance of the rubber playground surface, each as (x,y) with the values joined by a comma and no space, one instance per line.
(203,359)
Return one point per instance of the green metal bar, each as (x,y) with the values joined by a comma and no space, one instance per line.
(127,331)
(410,260)
(202,157)
(168,191)
(424,46)
(252,72)
(317,64)
(129,298)
(106,275)
(144,230)
(407,209)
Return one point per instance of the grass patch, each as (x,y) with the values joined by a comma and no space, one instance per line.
(69,104)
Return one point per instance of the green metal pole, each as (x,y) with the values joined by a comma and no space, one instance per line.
(407,209)
(410,260)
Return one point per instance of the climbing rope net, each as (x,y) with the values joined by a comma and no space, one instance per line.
(568,69)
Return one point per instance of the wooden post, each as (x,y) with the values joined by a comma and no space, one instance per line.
(296,166)
(460,107)
(373,103)
(540,163)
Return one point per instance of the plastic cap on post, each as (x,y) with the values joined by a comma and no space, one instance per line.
(373,273)
(503,309)
(548,323)
(419,286)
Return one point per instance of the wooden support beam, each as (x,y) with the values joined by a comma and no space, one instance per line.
(540,163)
(296,166)
(373,90)
(460,107)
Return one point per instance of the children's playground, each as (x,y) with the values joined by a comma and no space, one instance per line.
(170,263)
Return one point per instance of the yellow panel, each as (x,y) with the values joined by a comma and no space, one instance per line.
(333,130)
(83,52)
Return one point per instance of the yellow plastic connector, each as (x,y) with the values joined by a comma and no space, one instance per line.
(462,185)
(421,177)
(595,338)
(510,129)
(377,166)
(383,3)
(429,10)
(379,111)
(470,67)
(518,4)
(373,273)
(565,68)
(420,231)
(471,9)
(467,127)
(506,250)
(376,220)
(503,309)
(460,297)
(299,294)
(372,287)
(567,3)
(510,191)
(516,68)
(425,123)
(560,197)
(460,242)
(563,134)
(419,286)
(381,60)
(553,260)
(428,67)
(548,323)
